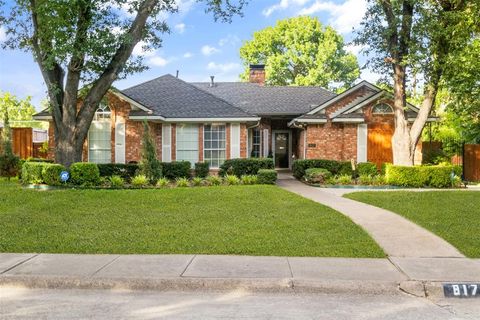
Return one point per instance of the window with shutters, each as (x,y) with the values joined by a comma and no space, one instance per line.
(99,136)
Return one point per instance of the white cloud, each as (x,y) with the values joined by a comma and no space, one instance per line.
(283,5)
(343,17)
(158,61)
(223,67)
(180,27)
(229,40)
(355,49)
(187,55)
(184,6)
(3,34)
(139,50)
(209,50)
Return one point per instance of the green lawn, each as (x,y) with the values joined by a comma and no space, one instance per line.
(452,215)
(250,220)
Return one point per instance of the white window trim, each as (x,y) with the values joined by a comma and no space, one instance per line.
(204,149)
(176,144)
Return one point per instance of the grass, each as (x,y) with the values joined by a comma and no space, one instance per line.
(246,220)
(452,215)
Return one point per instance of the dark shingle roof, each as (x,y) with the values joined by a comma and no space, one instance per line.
(170,97)
(268,100)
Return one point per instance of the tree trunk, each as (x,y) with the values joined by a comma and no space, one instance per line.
(68,148)
(401,140)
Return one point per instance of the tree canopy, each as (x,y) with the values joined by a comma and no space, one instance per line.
(301,51)
(82,42)
(17,109)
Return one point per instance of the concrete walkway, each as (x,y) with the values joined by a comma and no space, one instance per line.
(397,236)
(217,272)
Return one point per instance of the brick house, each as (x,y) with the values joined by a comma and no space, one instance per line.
(214,121)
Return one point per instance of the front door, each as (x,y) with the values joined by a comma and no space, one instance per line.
(282,151)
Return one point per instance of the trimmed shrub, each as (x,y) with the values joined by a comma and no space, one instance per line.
(344,179)
(163,182)
(51,173)
(182,182)
(84,174)
(232,180)
(214,180)
(317,175)
(197,181)
(126,171)
(420,176)
(249,179)
(32,172)
(140,181)
(335,167)
(176,169)
(9,165)
(248,166)
(383,168)
(116,181)
(202,169)
(267,176)
(367,169)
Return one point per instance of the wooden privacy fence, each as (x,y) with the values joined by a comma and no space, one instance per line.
(26,142)
(471,158)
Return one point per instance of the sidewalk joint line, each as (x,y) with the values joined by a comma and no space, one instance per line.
(289,267)
(106,265)
(20,263)
(188,265)
(398,268)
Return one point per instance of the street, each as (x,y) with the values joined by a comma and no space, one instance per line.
(21,303)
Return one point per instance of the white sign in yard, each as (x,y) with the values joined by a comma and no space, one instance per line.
(461,290)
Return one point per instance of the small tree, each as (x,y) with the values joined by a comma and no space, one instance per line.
(150,166)
(9,163)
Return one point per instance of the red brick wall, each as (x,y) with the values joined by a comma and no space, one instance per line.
(243,141)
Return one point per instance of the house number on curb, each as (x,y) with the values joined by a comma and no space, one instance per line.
(461,290)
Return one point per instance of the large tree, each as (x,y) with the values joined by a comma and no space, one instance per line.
(17,109)
(407,39)
(80,42)
(301,51)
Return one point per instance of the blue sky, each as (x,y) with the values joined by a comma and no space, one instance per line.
(197,46)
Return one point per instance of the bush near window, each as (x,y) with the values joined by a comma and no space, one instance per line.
(317,175)
(202,169)
(140,181)
(267,176)
(420,176)
(84,174)
(51,173)
(116,181)
(249,166)
(176,169)
(367,168)
(126,171)
(335,167)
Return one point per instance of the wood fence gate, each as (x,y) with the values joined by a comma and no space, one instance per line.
(471,162)
(379,146)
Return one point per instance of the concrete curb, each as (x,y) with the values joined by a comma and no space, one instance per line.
(205,284)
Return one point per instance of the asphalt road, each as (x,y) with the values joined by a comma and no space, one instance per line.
(20,303)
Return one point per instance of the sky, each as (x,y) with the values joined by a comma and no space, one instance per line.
(197,46)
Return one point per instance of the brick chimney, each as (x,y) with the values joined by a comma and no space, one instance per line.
(257,74)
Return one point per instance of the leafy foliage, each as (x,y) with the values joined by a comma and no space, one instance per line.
(116,181)
(317,175)
(150,166)
(335,167)
(202,169)
(140,181)
(176,169)
(84,174)
(367,168)
(17,109)
(300,51)
(245,166)
(125,171)
(51,173)
(420,176)
(9,163)
(267,176)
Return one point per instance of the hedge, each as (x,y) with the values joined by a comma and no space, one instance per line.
(335,167)
(84,174)
(32,172)
(126,171)
(247,166)
(176,169)
(202,169)
(420,176)
(51,174)
(267,176)
(367,169)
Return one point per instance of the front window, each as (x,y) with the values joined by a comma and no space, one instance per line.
(187,143)
(99,136)
(214,148)
(256,143)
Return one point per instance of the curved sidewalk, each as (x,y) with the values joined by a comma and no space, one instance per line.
(397,236)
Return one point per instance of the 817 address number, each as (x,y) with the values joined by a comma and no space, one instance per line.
(462,290)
